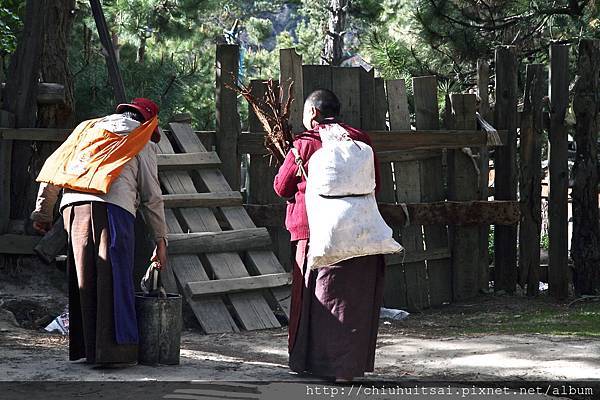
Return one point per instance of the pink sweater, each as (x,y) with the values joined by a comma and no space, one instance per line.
(287,184)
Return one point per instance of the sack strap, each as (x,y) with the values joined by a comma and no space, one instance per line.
(299,163)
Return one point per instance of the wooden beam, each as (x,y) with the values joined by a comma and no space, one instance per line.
(558,252)
(48,93)
(416,256)
(41,134)
(11,243)
(460,213)
(505,163)
(114,73)
(252,143)
(59,135)
(6,146)
(184,161)
(212,199)
(234,285)
(218,242)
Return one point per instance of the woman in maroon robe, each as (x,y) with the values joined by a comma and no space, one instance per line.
(335,310)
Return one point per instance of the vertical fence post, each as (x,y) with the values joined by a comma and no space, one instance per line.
(432,176)
(463,185)
(530,182)
(505,164)
(408,190)
(585,246)
(7,120)
(290,67)
(558,276)
(228,126)
(483,82)
(261,175)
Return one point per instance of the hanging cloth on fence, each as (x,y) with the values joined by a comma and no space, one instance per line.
(92,158)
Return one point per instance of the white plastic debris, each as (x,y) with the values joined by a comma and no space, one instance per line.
(392,313)
(60,324)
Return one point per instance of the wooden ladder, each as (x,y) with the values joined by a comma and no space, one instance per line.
(219,259)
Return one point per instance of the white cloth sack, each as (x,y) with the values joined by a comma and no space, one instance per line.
(350,224)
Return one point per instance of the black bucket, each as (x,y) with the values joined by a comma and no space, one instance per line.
(159,325)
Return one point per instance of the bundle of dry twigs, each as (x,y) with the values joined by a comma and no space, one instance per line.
(272,115)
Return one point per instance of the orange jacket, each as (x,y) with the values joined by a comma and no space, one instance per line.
(92,158)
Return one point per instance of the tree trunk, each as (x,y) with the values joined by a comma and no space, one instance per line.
(55,64)
(585,243)
(114,38)
(333,52)
(54,68)
(20,99)
(141,53)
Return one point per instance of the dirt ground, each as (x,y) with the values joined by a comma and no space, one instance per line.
(474,341)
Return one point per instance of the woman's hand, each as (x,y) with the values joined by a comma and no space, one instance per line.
(160,254)
(42,227)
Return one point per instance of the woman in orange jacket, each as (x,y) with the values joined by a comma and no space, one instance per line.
(107,170)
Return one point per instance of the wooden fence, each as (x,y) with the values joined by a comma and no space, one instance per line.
(441,263)
(434,177)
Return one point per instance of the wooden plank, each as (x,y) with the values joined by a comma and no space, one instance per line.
(48,93)
(234,285)
(211,312)
(368,116)
(463,185)
(345,83)
(228,125)
(407,155)
(461,213)
(483,85)
(315,77)
(399,140)
(416,256)
(380,109)
(505,164)
(263,262)
(290,67)
(407,189)
(187,200)
(59,134)
(261,177)
(251,310)
(41,134)
(558,252)
(432,188)
(187,161)
(6,119)
(585,246)
(530,182)
(219,242)
(11,243)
